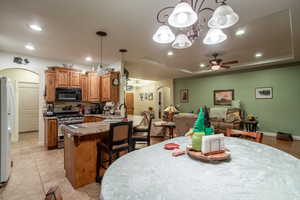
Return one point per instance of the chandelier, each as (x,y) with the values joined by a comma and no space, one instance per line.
(185,16)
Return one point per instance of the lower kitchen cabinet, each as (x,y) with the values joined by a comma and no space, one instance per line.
(51,133)
(92,119)
(80,159)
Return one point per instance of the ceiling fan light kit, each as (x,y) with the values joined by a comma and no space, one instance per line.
(215,67)
(182,16)
(164,35)
(186,17)
(181,42)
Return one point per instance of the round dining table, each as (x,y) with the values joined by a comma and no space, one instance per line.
(254,172)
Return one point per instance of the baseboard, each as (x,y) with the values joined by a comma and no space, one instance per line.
(295,137)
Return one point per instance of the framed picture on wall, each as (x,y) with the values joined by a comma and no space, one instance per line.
(264,93)
(184,96)
(141,95)
(223,97)
(150,96)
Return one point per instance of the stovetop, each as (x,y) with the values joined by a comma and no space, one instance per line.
(68,115)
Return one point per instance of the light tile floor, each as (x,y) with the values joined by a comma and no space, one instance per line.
(35,170)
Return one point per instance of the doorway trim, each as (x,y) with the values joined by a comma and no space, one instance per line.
(40,103)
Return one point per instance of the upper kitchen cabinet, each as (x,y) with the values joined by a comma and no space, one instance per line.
(110,87)
(50,86)
(74,79)
(84,87)
(93,93)
(65,77)
(62,78)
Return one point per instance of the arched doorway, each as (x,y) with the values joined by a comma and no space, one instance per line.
(26,86)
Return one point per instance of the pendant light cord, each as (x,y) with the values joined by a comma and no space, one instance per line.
(101,53)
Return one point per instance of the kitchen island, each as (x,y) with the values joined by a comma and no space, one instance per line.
(80,148)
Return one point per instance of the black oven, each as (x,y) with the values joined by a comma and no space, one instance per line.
(68,94)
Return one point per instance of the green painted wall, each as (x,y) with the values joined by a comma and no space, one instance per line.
(282,113)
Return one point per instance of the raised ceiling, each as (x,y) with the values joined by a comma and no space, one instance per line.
(272,27)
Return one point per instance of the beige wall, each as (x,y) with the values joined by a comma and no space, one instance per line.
(17,76)
(38,66)
(165,86)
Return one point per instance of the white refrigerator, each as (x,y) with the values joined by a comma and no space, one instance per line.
(7,121)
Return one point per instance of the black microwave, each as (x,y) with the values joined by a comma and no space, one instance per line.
(68,94)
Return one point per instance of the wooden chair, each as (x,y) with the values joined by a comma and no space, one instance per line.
(142,134)
(257,136)
(119,139)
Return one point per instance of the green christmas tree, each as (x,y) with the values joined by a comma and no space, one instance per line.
(199,124)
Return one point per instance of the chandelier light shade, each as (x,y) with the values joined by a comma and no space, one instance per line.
(181,42)
(182,16)
(214,36)
(223,17)
(164,35)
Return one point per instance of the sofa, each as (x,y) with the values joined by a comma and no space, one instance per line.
(232,118)
(226,118)
(183,122)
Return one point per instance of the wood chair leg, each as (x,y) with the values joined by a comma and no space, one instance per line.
(133,144)
(99,164)
(148,141)
(110,158)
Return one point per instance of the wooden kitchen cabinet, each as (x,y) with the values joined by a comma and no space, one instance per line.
(93,119)
(90,83)
(50,86)
(84,87)
(51,133)
(93,87)
(74,79)
(80,159)
(109,91)
(62,78)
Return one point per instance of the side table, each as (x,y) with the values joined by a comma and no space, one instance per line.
(168,125)
(250,125)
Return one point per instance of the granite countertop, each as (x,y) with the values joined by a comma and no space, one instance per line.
(50,117)
(102,116)
(98,127)
(88,115)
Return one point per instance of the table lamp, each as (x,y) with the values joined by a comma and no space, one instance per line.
(171,110)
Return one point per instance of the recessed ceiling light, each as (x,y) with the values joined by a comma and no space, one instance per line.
(202,65)
(170,53)
(88,59)
(240,32)
(30,47)
(258,55)
(35,27)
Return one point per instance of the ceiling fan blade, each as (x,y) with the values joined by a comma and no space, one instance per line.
(231,62)
(224,66)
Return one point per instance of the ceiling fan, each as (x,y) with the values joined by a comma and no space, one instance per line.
(217,63)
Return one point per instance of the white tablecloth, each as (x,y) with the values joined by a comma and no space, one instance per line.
(255,172)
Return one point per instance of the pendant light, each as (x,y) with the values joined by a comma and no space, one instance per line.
(181,42)
(182,16)
(164,35)
(214,36)
(223,17)
(101,34)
